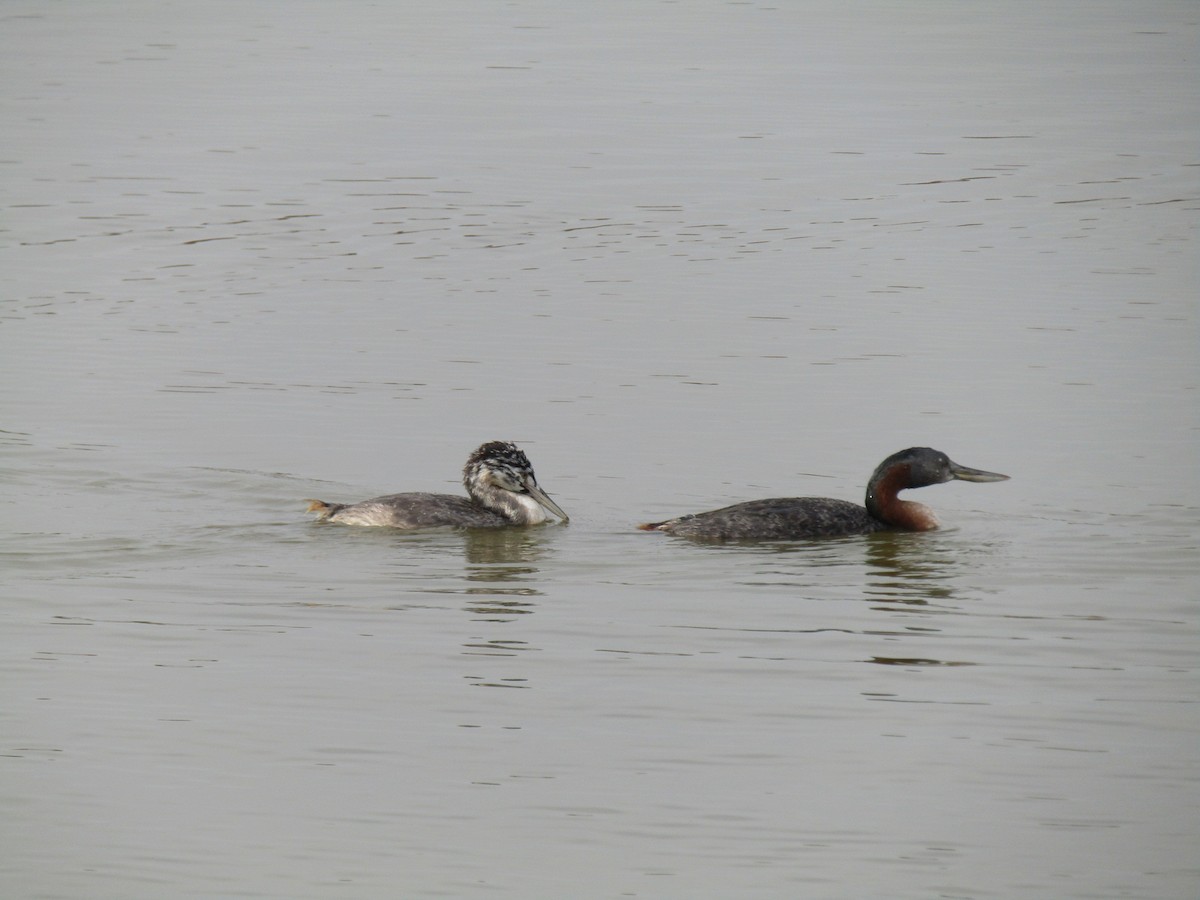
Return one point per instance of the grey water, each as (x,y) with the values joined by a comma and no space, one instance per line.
(684,255)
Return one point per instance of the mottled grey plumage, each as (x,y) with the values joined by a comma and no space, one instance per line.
(801,518)
(501,488)
(779,518)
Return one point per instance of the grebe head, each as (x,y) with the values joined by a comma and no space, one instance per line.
(499,465)
(927,466)
(913,468)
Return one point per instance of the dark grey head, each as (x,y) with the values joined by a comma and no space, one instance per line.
(500,464)
(923,466)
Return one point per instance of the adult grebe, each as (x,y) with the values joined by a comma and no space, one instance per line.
(498,478)
(793,518)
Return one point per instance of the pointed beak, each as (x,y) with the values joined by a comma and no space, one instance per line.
(962,473)
(544,499)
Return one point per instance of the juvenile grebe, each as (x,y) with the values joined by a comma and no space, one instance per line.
(498,478)
(792,518)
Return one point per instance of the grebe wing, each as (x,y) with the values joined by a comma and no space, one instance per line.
(777,518)
(416,510)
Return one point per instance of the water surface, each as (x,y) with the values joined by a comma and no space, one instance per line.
(685,255)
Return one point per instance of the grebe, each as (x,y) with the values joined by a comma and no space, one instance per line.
(792,518)
(498,478)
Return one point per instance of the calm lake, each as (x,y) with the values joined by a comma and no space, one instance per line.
(684,254)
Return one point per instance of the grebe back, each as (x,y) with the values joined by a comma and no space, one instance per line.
(799,518)
(501,489)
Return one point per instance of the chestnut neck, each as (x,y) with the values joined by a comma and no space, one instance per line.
(884,503)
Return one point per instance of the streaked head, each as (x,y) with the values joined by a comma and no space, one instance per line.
(502,465)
